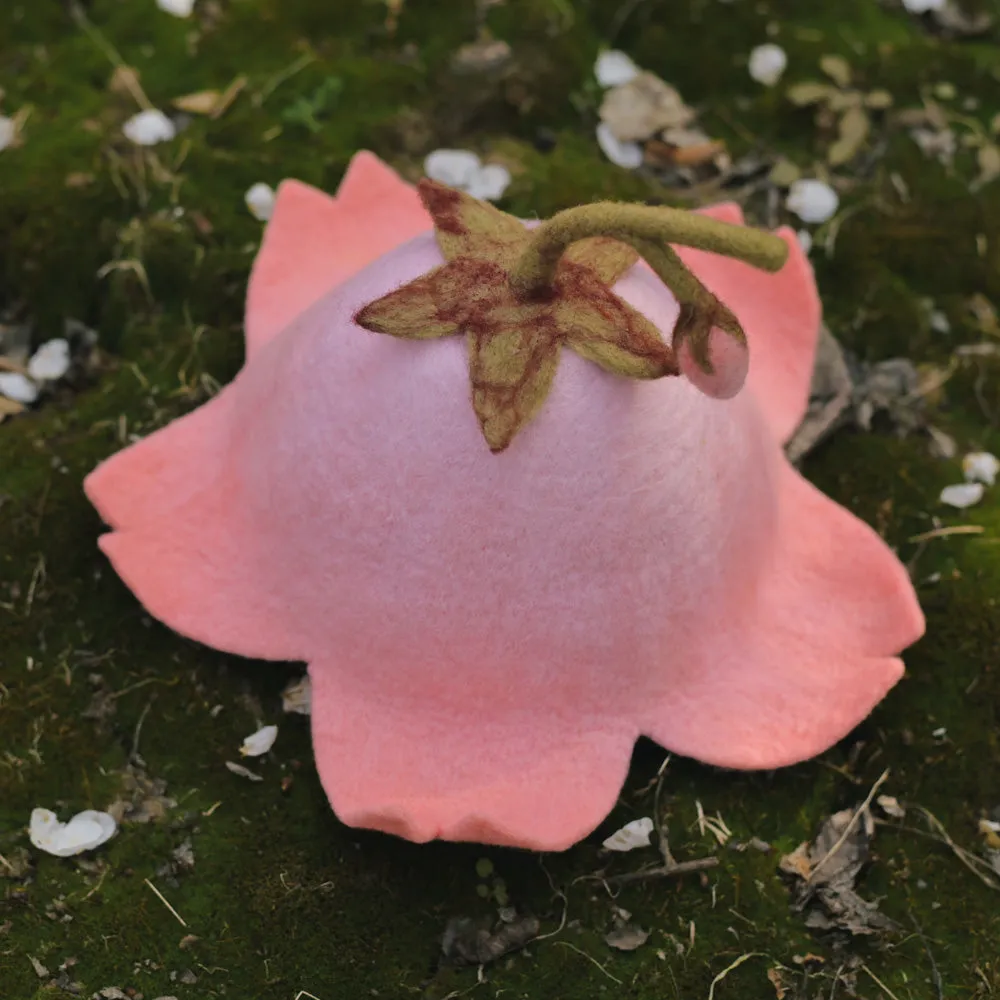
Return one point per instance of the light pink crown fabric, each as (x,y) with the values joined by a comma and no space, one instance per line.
(487,635)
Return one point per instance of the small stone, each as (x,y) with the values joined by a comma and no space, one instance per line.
(148,128)
(767,64)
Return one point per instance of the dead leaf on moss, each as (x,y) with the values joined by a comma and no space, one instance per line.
(852,132)
(825,873)
(143,799)
(637,110)
(625,936)
(203,102)
(837,68)
(777,980)
(479,942)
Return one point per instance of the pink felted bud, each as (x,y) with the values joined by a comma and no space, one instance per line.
(489,633)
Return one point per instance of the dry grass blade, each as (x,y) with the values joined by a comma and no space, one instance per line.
(858,813)
(729,968)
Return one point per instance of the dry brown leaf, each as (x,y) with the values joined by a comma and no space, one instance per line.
(642,107)
(854,128)
(203,102)
(810,92)
(988,159)
(837,68)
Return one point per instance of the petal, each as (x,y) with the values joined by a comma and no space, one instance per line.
(146,480)
(431,769)
(205,572)
(780,314)
(314,242)
(807,658)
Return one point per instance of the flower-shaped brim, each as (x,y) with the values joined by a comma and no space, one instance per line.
(488,635)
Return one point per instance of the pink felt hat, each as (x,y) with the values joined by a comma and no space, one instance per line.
(488,632)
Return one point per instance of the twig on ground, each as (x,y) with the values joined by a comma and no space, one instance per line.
(590,958)
(159,895)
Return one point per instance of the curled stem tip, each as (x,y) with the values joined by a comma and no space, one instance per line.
(649,230)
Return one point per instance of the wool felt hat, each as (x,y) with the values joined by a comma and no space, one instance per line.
(513,519)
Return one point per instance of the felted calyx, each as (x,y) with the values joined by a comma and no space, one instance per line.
(520,295)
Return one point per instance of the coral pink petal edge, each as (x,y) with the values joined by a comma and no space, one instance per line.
(543,780)
(812,657)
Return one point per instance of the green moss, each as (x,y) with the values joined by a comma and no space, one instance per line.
(283,897)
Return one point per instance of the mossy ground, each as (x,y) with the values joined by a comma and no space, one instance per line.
(283,897)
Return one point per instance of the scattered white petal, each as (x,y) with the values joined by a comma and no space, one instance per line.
(16,386)
(84,832)
(940,322)
(179,8)
(260,201)
(891,807)
(767,63)
(981,467)
(940,733)
(613,68)
(243,772)
(489,182)
(260,742)
(454,167)
(805,239)
(461,169)
(51,361)
(7,131)
(297,696)
(623,154)
(922,6)
(812,201)
(962,494)
(631,835)
(147,128)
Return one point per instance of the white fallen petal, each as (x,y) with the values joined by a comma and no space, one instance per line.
(812,201)
(613,68)
(7,131)
(962,495)
(297,696)
(981,467)
(179,8)
(922,6)
(454,167)
(631,835)
(805,239)
(767,63)
(243,772)
(84,832)
(51,361)
(489,182)
(18,387)
(622,154)
(260,200)
(260,742)
(147,128)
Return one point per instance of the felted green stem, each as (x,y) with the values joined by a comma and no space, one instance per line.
(646,228)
